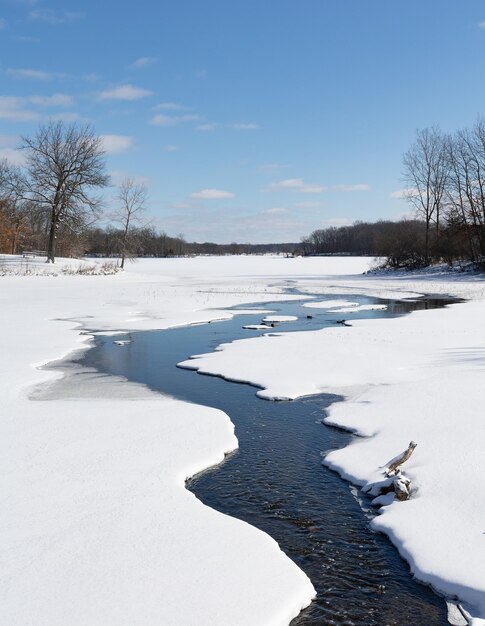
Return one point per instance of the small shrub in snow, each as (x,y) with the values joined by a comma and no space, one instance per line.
(93,270)
(17,266)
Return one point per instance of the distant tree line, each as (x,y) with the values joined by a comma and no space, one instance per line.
(445,185)
(147,241)
(402,243)
(52,203)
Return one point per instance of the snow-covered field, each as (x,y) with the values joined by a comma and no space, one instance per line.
(97,527)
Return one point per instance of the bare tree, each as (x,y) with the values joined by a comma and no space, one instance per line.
(425,173)
(466,186)
(132,198)
(475,143)
(65,163)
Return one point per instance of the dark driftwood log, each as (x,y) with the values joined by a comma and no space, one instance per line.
(399,460)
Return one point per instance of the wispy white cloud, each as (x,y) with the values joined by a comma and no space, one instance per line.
(8,141)
(212,194)
(32,74)
(142,62)
(170,148)
(308,188)
(3,23)
(8,150)
(170,106)
(181,205)
(272,167)
(117,176)
(116,144)
(276,211)
(14,110)
(242,126)
(404,194)
(14,157)
(310,204)
(350,188)
(336,221)
(26,39)
(124,92)
(18,109)
(92,77)
(209,127)
(57,100)
(64,117)
(172,120)
(297,185)
(481,24)
(51,16)
(288,183)
(404,215)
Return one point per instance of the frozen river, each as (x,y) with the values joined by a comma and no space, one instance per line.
(276,480)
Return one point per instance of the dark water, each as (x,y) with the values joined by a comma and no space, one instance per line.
(276,480)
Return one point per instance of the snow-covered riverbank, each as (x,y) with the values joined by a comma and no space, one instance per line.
(100,529)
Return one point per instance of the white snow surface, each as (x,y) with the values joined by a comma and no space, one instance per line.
(97,527)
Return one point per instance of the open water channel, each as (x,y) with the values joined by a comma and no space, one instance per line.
(276,480)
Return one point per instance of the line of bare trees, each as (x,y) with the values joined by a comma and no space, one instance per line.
(445,178)
(146,241)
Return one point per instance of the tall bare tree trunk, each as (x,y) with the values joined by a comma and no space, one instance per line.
(51,245)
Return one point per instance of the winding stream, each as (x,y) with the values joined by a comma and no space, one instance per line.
(276,480)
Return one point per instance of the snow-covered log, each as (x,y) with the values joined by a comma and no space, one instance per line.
(399,460)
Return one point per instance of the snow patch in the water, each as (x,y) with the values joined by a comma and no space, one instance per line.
(279,318)
(455,614)
(257,327)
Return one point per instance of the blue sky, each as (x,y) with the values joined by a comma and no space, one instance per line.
(251,121)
